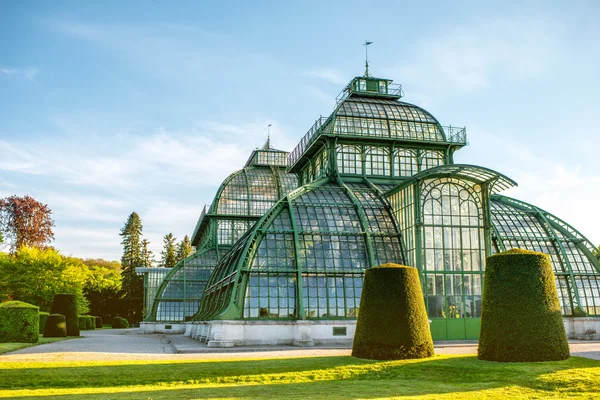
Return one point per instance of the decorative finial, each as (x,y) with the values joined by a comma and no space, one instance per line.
(267,145)
(366,44)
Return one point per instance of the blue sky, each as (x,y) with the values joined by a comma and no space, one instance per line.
(110,107)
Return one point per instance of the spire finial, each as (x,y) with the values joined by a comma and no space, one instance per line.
(366,44)
(267,145)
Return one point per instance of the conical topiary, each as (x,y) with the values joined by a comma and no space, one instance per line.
(521,318)
(55,326)
(66,304)
(392,321)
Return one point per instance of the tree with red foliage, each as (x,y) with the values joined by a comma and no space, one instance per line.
(25,221)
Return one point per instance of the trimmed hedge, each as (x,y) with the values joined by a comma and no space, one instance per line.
(43,318)
(120,323)
(56,326)
(66,304)
(83,322)
(91,325)
(19,322)
(521,318)
(392,322)
(98,322)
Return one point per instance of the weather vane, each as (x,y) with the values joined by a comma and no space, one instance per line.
(366,44)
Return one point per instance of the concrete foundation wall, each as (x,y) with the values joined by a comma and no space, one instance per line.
(265,333)
(583,328)
(306,333)
(162,327)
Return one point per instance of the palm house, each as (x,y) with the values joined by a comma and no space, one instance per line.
(282,250)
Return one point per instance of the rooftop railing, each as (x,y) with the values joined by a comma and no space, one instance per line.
(454,135)
(306,140)
(199,223)
(389,89)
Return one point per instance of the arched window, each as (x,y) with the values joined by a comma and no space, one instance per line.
(349,159)
(405,162)
(377,161)
(430,159)
(453,247)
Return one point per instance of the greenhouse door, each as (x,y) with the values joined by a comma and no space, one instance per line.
(452,257)
(453,307)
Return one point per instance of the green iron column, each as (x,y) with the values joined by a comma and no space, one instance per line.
(299,282)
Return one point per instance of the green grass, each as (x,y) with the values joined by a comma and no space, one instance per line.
(6,347)
(441,377)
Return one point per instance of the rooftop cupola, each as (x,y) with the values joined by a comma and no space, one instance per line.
(370,86)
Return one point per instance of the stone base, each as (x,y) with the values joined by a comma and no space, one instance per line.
(162,327)
(587,328)
(272,333)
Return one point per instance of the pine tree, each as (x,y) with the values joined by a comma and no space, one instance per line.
(169,256)
(147,256)
(184,249)
(133,284)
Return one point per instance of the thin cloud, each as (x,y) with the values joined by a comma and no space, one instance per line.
(328,74)
(29,73)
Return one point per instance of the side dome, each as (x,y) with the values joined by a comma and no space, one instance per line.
(243,197)
(306,257)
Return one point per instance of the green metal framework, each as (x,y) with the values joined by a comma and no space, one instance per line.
(379,184)
(305,258)
(577,271)
(240,201)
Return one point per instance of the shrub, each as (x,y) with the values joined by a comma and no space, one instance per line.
(120,323)
(91,322)
(392,323)
(55,326)
(43,318)
(66,304)
(19,322)
(521,316)
(82,320)
(98,322)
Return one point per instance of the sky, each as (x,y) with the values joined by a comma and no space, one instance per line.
(110,107)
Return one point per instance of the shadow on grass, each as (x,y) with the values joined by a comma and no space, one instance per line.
(327,377)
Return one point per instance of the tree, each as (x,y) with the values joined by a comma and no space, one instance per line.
(147,256)
(99,262)
(103,291)
(25,222)
(132,284)
(184,249)
(169,257)
(35,275)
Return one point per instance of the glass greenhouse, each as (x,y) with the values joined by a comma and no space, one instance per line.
(240,201)
(287,239)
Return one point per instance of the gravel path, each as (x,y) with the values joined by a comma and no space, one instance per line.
(128,344)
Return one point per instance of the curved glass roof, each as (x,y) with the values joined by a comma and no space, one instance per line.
(518,224)
(383,119)
(315,239)
(497,182)
(240,201)
(252,191)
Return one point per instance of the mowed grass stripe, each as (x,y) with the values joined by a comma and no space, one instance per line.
(322,377)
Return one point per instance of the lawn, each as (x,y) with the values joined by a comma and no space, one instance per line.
(6,347)
(441,377)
